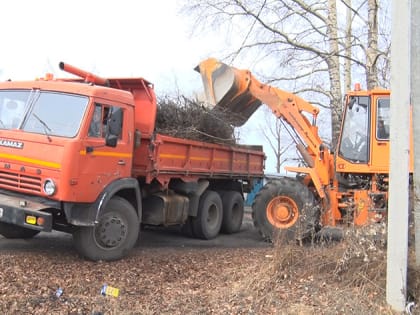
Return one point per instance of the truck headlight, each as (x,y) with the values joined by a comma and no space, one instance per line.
(49,187)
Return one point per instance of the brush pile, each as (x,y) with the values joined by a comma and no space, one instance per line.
(189,119)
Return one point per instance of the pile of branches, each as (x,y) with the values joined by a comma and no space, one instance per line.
(189,119)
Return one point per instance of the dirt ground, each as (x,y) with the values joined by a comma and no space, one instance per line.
(170,274)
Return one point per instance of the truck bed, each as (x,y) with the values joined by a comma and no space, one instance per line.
(163,157)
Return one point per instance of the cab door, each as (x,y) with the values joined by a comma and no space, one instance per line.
(100,164)
(380,134)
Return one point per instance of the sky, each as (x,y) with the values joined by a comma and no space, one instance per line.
(109,38)
(125,38)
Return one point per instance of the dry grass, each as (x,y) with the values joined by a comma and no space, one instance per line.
(347,277)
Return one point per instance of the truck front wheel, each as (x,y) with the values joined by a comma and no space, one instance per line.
(285,208)
(207,223)
(113,236)
(14,231)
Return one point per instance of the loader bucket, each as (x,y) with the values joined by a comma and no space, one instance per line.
(227,89)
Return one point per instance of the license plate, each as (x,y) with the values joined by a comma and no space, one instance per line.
(31,220)
(1,212)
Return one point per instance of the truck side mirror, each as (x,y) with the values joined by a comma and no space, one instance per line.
(113,127)
(111,140)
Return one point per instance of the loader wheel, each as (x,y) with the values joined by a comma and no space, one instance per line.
(233,212)
(14,231)
(207,223)
(285,209)
(113,236)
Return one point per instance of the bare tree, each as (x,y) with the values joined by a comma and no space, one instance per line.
(347,46)
(303,39)
(280,145)
(333,63)
(367,40)
(299,36)
(372,52)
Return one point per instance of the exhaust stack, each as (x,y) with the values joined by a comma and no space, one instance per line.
(87,76)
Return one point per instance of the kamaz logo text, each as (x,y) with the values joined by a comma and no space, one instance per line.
(11,144)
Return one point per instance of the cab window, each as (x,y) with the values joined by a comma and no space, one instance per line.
(354,144)
(98,125)
(382,119)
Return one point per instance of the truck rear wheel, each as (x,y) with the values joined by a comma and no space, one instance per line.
(187,228)
(285,208)
(207,223)
(113,236)
(14,231)
(233,212)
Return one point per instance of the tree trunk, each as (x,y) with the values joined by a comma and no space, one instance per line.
(334,73)
(347,47)
(372,45)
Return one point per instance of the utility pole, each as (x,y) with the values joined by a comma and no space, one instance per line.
(415,101)
(396,275)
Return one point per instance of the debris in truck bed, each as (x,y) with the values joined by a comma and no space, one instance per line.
(185,118)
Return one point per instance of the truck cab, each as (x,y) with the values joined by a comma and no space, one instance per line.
(53,130)
(64,146)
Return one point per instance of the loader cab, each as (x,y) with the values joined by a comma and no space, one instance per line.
(363,146)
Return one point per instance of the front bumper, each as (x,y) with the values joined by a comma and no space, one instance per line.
(24,213)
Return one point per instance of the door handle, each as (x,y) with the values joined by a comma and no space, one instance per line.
(121,162)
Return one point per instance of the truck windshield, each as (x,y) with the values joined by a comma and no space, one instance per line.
(44,112)
(354,144)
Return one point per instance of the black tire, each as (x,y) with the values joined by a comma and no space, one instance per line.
(233,212)
(187,229)
(15,231)
(295,224)
(206,225)
(115,234)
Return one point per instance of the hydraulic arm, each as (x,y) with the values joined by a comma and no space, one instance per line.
(239,92)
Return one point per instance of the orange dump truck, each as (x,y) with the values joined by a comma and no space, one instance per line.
(81,156)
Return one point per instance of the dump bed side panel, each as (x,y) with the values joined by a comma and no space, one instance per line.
(164,157)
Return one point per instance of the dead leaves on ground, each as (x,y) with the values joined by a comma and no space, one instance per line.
(309,279)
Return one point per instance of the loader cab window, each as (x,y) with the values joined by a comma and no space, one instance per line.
(354,144)
(382,119)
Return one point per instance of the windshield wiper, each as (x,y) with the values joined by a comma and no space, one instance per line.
(47,129)
(30,102)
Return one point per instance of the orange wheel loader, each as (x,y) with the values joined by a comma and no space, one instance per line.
(349,186)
